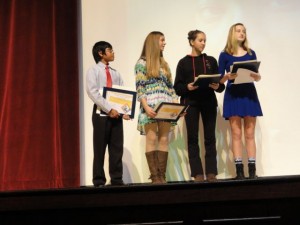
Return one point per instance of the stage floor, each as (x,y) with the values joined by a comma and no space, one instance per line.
(265,200)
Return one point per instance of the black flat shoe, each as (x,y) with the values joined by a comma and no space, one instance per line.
(99,185)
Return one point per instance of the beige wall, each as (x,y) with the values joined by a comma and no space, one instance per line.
(273,31)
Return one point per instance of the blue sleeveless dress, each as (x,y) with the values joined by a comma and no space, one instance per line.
(239,99)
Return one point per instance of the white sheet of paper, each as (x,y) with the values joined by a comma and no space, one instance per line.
(243,76)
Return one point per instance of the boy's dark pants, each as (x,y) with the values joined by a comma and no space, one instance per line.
(107,132)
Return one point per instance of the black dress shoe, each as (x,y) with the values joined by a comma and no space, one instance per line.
(99,185)
(117,183)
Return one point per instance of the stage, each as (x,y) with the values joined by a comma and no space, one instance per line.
(265,200)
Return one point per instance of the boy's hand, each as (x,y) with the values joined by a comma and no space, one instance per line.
(113,114)
(126,117)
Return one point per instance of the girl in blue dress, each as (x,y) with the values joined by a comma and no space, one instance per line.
(240,100)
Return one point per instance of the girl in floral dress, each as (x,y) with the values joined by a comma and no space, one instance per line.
(154,85)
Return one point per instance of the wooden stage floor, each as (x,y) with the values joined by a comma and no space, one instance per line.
(265,200)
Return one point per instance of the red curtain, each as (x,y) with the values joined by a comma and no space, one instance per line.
(39,94)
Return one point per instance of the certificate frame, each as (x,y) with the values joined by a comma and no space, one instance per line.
(168,111)
(123,101)
(252,65)
(203,80)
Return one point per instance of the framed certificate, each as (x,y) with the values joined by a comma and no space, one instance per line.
(169,111)
(252,65)
(121,100)
(203,80)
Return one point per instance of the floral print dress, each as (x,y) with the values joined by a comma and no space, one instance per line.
(154,90)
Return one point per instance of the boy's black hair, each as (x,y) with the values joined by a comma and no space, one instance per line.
(100,47)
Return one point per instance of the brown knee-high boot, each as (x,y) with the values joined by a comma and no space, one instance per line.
(153,166)
(162,165)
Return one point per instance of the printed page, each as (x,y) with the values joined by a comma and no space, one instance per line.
(243,76)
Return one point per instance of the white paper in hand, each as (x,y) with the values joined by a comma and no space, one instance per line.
(243,76)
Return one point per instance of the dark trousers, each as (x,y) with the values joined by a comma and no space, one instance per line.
(209,115)
(107,132)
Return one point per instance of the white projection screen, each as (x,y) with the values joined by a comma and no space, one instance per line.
(273,28)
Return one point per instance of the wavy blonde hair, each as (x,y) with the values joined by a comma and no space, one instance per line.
(232,44)
(153,55)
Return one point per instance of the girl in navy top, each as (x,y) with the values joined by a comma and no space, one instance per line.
(240,100)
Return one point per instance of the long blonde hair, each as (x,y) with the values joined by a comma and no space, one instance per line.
(153,55)
(232,45)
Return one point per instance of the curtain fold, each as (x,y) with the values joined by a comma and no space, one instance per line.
(39,94)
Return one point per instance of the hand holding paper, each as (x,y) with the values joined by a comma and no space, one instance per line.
(256,76)
(243,76)
(247,71)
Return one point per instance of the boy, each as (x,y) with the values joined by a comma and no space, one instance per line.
(107,122)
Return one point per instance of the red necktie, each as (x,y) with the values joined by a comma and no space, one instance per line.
(108,77)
